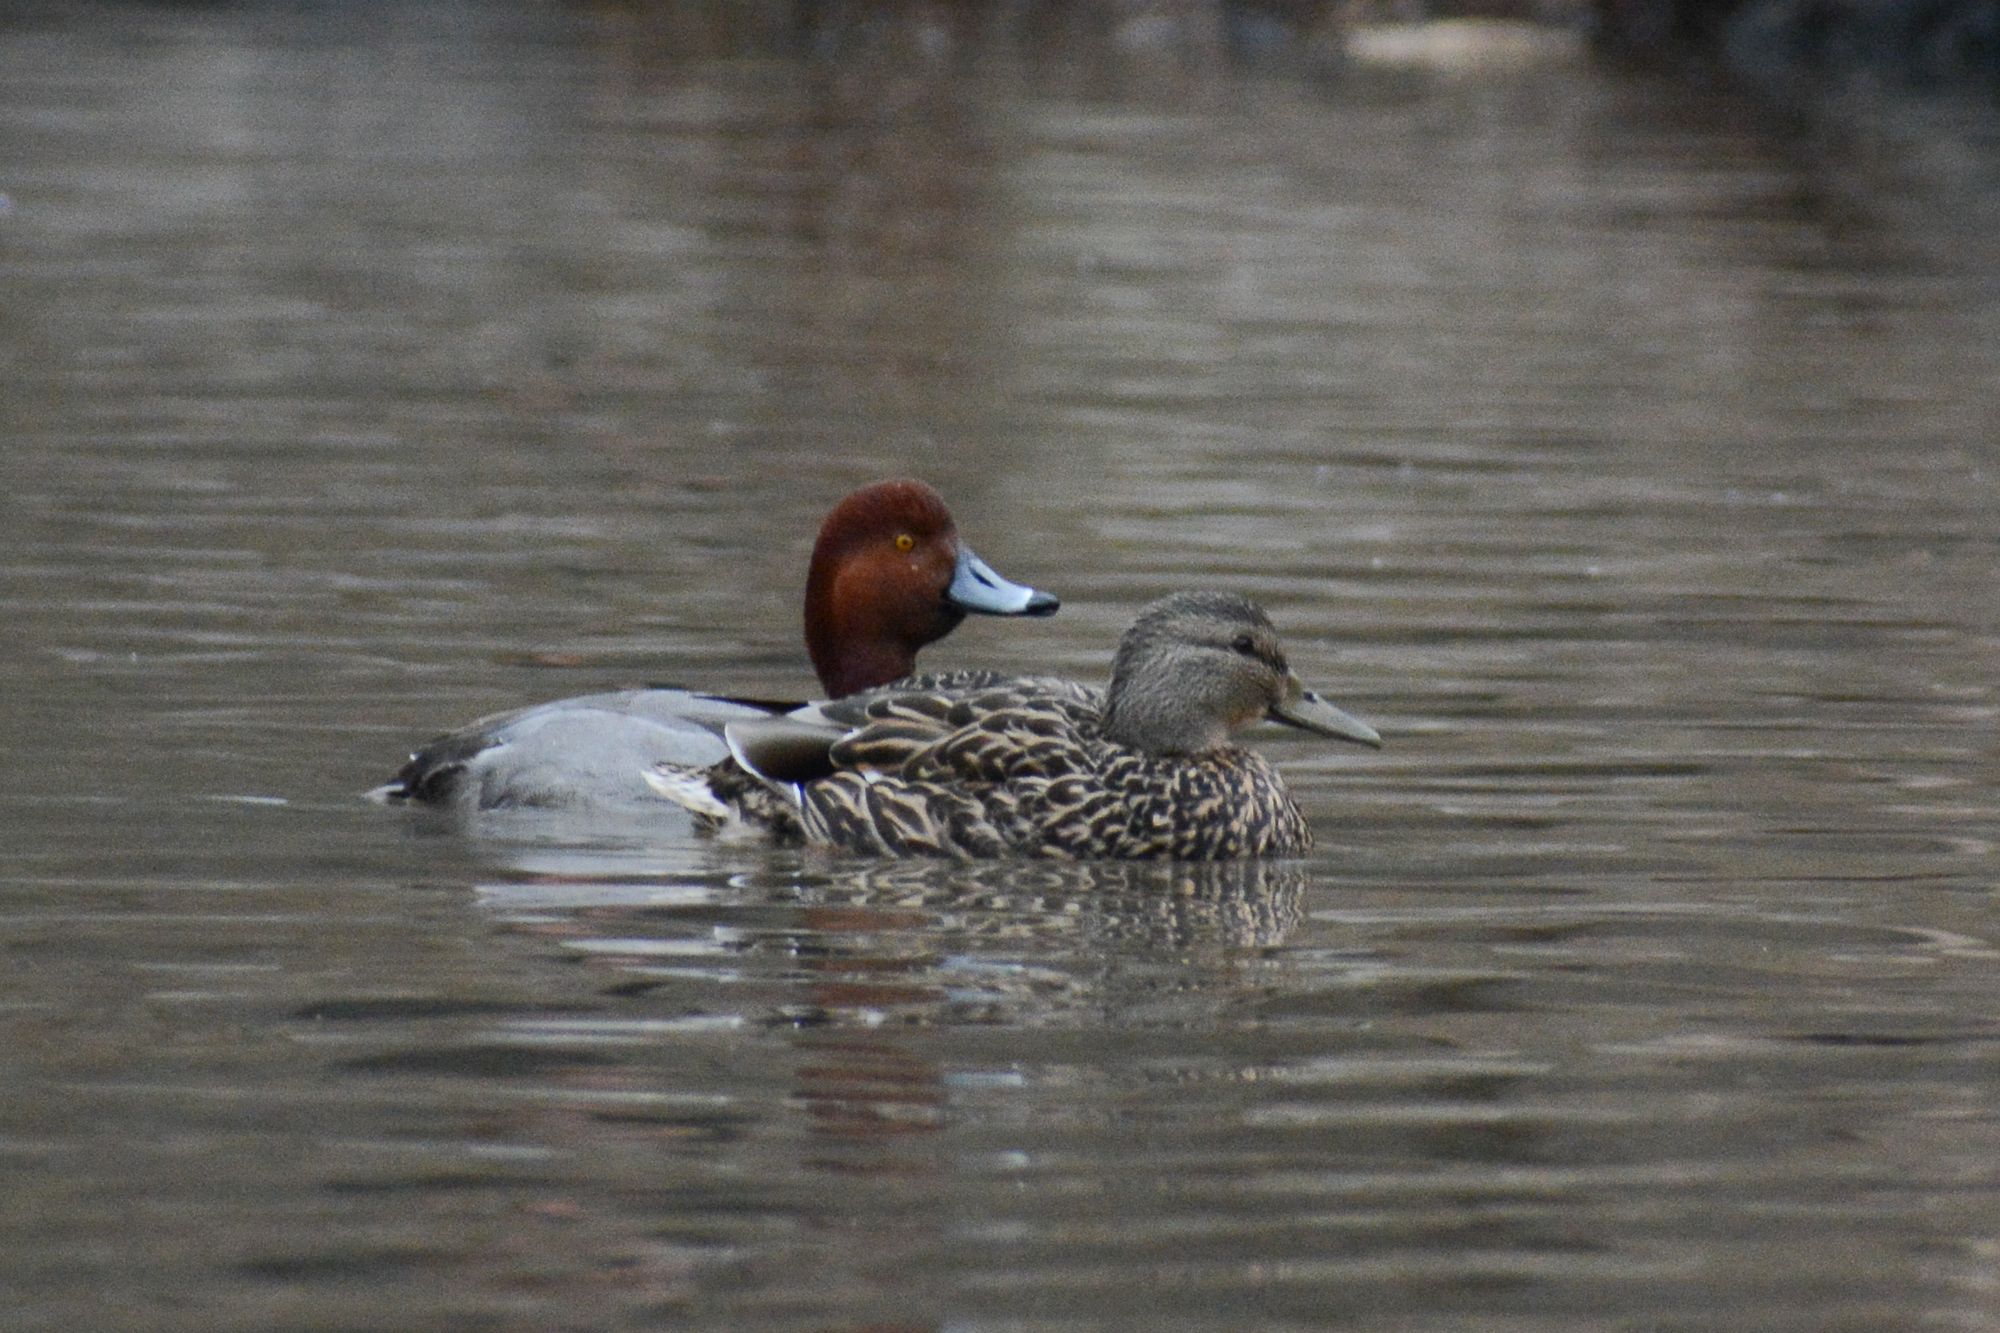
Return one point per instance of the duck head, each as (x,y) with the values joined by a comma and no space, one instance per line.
(890,575)
(1197,666)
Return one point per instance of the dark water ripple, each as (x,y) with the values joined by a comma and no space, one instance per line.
(1624,458)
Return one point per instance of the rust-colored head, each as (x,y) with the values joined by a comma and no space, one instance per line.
(890,575)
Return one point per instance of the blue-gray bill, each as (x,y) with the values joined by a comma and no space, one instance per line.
(976,587)
(1308,712)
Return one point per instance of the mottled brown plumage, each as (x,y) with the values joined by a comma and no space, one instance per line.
(975,765)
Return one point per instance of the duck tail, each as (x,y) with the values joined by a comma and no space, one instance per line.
(688,788)
(731,802)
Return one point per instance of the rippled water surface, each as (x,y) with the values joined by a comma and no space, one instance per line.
(1628,462)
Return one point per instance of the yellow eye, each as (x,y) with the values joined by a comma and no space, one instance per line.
(905,542)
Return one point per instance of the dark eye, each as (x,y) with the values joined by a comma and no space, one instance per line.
(1245,644)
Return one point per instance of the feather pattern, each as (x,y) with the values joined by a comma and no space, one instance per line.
(971,764)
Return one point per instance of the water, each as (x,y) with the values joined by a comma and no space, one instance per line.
(1612,447)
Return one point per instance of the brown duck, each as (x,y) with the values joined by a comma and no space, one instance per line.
(977,765)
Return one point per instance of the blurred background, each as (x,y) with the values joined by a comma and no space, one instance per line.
(1599,398)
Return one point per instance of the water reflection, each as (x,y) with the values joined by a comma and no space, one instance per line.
(782,1021)
(1624,458)
(869,944)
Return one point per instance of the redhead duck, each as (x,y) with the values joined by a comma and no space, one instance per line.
(888,576)
(976,765)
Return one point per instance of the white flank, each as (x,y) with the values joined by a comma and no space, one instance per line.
(687,788)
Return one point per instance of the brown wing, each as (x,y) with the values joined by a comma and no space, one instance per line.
(934,774)
(1022,766)
(896,730)
(928,694)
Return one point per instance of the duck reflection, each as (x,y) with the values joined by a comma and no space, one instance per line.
(796,1046)
(1052,910)
(889,950)
(856,960)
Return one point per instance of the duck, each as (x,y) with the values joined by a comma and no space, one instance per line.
(974,764)
(889,575)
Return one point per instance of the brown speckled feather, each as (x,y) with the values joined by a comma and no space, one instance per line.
(1031,774)
(973,764)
